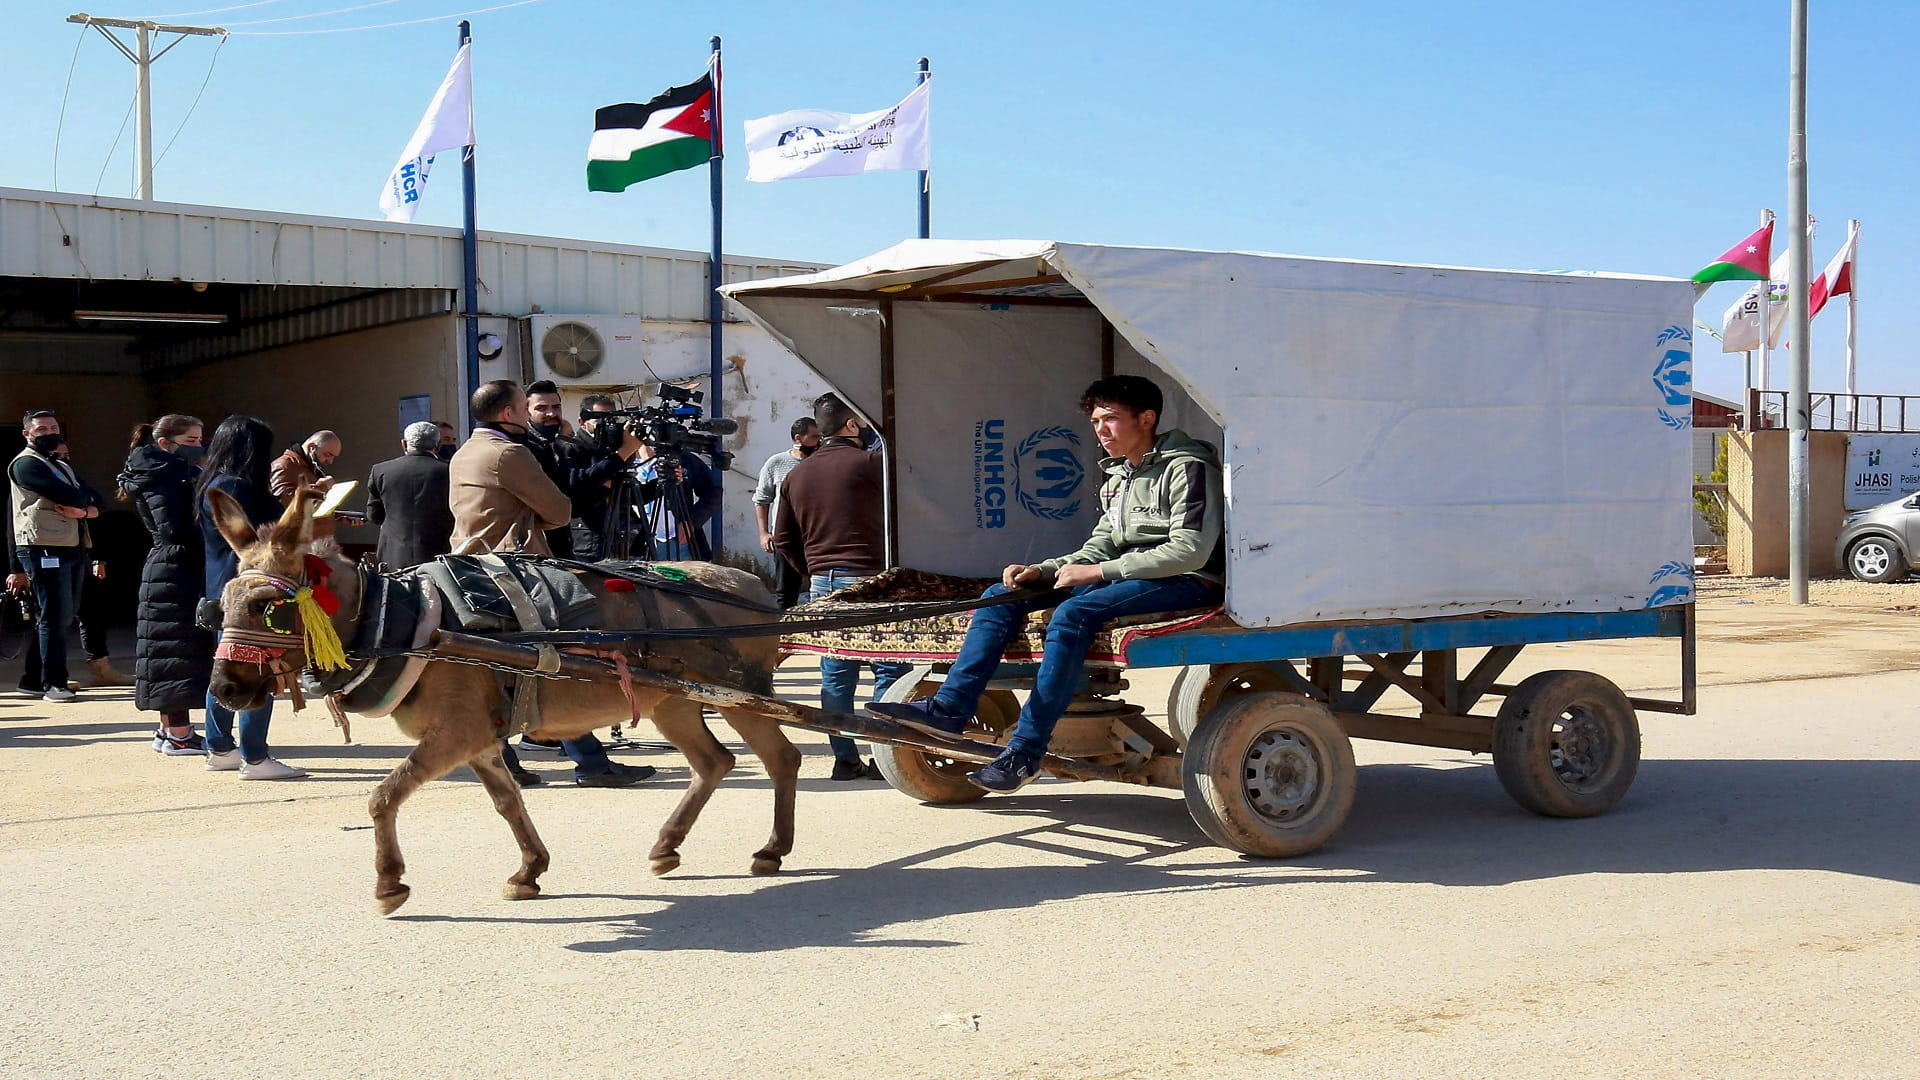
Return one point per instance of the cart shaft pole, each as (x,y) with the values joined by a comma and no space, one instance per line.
(456,646)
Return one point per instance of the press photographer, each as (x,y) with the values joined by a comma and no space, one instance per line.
(588,464)
(659,512)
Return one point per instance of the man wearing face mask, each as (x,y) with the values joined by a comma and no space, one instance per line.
(766,500)
(449,441)
(830,526)
(503,500)
(49,507)
(306,463)
(586,463)
(602,451)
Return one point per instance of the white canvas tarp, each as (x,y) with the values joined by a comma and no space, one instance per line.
(1399,441)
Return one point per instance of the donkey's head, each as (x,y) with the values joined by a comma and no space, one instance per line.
(267,608)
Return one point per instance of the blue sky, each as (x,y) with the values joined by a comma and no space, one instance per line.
(1630,136)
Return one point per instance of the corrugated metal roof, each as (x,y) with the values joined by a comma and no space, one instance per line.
(53,235)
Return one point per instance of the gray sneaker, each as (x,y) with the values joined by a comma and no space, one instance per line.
(59,693)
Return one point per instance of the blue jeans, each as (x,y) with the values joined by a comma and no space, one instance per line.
(1069,633)
(840,678)
(588,754)
(253,730)
(56,590)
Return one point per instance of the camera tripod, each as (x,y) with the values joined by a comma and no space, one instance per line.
(634,528)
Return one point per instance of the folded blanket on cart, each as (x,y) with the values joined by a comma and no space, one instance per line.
(937,639)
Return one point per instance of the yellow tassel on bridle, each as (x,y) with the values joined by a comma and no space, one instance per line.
(324,650)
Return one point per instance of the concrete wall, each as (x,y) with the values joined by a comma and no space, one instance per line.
(1757,541)
(351,383)
(97,412)
(766,388)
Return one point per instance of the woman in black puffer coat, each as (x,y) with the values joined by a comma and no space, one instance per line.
(174,657)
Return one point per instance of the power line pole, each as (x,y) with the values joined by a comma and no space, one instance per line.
(143,56)
(1798,418)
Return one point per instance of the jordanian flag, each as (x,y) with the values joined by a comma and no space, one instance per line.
(632,142)
(1744,261)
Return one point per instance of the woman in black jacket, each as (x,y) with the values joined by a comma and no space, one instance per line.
(238,458)
(173,657)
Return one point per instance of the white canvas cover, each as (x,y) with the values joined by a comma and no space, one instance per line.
(1399,441)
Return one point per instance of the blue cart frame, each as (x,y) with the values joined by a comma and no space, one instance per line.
(1259,718)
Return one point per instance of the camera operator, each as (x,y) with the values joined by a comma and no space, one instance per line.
(602,449)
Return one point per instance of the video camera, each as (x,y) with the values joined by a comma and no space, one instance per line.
(674,424)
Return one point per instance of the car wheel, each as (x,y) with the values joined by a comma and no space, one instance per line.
(1876,559)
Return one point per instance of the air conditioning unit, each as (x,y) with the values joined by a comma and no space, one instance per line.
(587,350)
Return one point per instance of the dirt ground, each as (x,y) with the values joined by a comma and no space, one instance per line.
(1747,911)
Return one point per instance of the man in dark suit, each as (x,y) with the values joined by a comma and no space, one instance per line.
(407,499)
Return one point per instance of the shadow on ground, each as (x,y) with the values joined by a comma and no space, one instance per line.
(1446,826)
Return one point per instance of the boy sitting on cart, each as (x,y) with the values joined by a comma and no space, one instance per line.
(1157,548)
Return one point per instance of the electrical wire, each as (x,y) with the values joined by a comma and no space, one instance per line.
(212,11)
(196,102)
(60,125)
(116,142)
(384,26)
(317,14)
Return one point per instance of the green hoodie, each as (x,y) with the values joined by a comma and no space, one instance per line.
(1158,519)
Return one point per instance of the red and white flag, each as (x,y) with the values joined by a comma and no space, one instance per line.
(1835,280)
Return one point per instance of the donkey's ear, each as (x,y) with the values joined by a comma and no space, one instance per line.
(294,530)
(231,520)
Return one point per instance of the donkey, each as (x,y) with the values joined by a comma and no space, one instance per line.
(452,711)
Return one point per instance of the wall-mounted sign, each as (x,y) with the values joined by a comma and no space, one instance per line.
(1881,468)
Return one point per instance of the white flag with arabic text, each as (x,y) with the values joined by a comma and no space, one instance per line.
(815,142)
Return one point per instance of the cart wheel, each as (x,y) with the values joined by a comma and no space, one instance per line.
(936,778)
(1566,744)
(1200,689)
(1269,774)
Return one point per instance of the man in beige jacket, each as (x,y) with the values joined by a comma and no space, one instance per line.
(502,499)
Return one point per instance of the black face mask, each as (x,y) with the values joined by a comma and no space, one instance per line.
(45,444)
(189,453)
(806,450)
(444,453)
(546,432)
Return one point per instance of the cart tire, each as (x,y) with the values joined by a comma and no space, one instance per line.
(1269,774)
(1566,744)
(932,778)
(1200,689)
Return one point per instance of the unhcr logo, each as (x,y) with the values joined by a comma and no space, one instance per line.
(1673,376)
(1047,473)
(1041,474)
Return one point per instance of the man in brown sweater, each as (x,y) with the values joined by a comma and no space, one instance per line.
(830,526)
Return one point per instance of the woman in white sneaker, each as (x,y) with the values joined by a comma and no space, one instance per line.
(173,657)
(237,461)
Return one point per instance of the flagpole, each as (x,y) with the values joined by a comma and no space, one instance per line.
(715,279)
(1799,456)
(1766,314)
(926,189)
(1852,268)
(470,248)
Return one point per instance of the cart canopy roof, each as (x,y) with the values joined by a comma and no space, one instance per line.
(1401,440)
